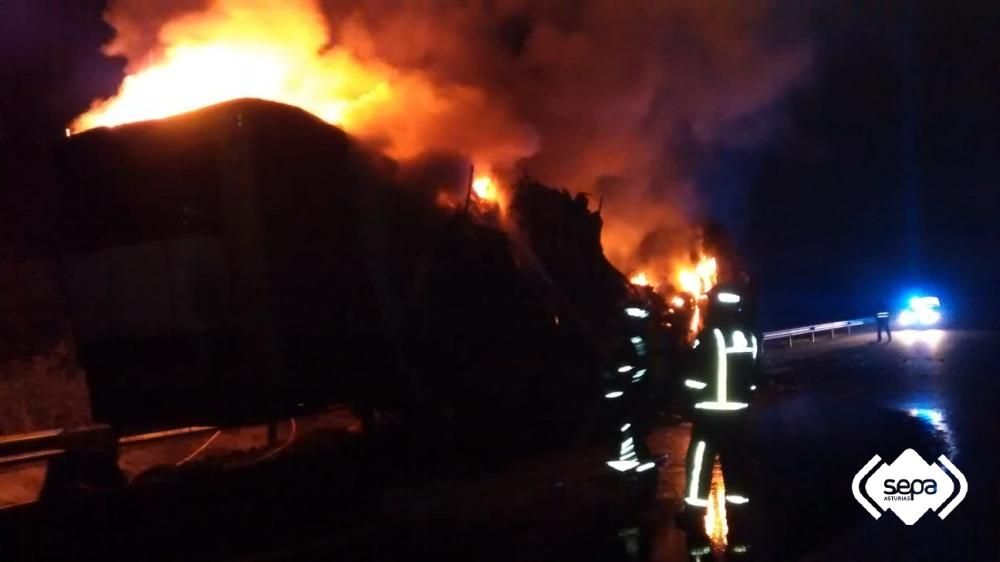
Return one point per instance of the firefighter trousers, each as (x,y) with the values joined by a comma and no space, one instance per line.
(717,433)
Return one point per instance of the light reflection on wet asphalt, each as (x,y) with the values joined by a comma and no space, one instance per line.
(832,407)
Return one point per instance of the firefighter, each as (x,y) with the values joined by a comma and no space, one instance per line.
(626,376)
(720,388)
(882,321)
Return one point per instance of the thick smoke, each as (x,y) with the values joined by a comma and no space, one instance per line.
(617,99)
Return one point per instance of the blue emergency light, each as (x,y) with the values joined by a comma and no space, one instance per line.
(922,311)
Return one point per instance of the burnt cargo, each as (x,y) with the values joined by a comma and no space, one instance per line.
(242,260)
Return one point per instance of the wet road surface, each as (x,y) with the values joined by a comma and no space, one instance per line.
(835,404)
(830,407)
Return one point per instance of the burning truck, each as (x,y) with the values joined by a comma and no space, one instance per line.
(240,257)
(249,261)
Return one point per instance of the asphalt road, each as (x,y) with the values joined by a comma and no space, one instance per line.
(830,407)
(836,403)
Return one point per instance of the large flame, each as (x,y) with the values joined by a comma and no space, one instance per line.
(231,51)
(700,278)
(283,51)
(695,279)
(418,77)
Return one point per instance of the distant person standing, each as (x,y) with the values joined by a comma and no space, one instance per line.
(882,321)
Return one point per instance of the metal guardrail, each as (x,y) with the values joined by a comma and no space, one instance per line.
(25,443)
(34,446)
(167,434)
(43,445)
(831,327)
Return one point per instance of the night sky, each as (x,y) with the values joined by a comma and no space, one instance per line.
(880,178)
(884,178)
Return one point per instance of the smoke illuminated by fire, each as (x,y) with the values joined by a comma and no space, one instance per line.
(597,96)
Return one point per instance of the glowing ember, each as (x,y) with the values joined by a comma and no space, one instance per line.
(640,279)
(485,187)
(716,526)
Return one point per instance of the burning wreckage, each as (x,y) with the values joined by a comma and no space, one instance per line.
(248,261)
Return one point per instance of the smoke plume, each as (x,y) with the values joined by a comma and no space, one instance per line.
(616,99)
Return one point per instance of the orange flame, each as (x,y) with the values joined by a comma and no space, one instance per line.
(700,278)
(716,526)
(231,52)
(284,51)
(640,279)
(485,187)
